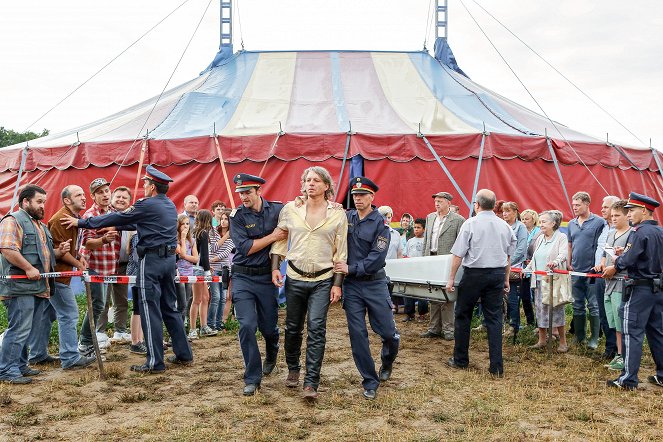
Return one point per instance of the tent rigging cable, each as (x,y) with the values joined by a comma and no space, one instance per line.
(560,73)
(106,65)
(429,19)
(239,24)
(156,102)
(533,98)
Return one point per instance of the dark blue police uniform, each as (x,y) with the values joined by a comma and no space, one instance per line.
(155,219)
(254,294)
(642,306)
(365,289)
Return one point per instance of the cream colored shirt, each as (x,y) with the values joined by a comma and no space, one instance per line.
(435,234)
(312,248)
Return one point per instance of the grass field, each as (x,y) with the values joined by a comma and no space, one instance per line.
(562,397)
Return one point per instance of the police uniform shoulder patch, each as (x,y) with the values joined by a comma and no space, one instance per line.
(382,243)
(628,246)
(233,212)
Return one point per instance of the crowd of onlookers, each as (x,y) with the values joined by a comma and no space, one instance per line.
(205,248)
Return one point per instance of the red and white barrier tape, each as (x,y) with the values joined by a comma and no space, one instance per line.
(46,275)
(111,279)
(561,272)
(194,279)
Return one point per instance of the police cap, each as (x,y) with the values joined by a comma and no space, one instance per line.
(361,184)
(638,200)
(152,174)
(244,181)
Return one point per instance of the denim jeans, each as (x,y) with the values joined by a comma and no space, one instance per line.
(64,303)
(184,297)
(584,290)
(304,297)
(216,303)
(14,350)
(98,293)
(40,333)
(520,289)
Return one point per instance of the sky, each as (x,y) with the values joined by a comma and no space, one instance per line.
(610,51)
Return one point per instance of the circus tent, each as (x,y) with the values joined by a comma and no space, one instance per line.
(412,122)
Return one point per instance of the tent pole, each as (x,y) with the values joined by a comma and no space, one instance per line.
(21,168)
(272,149)
(658,161)
(345,159)
(446,171)
(143,149)
(559,172)
(223,169)
(476,177)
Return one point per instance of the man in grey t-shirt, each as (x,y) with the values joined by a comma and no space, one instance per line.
(484,246)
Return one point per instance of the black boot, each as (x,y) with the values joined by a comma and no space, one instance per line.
(580,327)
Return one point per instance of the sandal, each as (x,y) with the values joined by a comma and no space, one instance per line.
(562,349)
(538,345)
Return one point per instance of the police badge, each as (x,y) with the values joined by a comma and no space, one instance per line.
(382,243)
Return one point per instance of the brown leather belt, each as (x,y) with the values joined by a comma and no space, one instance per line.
(309,274)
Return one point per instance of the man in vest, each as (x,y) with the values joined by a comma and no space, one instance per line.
(27,250)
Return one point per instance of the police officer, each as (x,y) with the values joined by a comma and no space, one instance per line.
(155,219)
(253,230)
(642,306)
(365,286)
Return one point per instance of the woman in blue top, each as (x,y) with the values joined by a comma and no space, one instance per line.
(516,293)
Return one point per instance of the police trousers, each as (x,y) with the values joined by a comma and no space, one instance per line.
(157,296)
(254,297)
(372,297)
(642,313)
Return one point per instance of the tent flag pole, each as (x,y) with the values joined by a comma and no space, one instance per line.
(345,159)
(223,169)
(476,177)
(24,157)
(143,149)
(559,172)
(279,134)
(446,171)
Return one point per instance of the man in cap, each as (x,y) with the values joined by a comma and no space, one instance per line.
(442,227)
(155,219)
(102,251)
(642,302)
(252,230)
(365,287)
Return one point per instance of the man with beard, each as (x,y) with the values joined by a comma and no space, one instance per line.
(317,233)
(27,249)
(62,303)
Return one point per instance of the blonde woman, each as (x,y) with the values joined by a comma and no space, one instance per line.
(550,252)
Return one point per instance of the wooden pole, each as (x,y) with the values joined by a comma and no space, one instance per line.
(550,317)
(223,169)
(140,168)
(93,330)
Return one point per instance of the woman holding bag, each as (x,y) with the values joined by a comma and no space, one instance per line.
(550,252)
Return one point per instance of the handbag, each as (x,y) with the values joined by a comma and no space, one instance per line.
(561,290)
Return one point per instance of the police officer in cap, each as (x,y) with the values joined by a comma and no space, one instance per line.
(642,306)
(253,230)
(365,286)
(155,219)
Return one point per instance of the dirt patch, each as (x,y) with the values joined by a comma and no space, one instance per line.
(541,397)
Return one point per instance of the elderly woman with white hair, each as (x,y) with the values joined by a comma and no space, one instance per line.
(550,252)
(395,243)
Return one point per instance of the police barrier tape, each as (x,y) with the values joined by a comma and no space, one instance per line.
(123,279)
(46,275)
(561,272)
(113,279)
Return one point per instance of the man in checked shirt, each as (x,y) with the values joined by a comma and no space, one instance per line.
(317,232)
(102,251)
